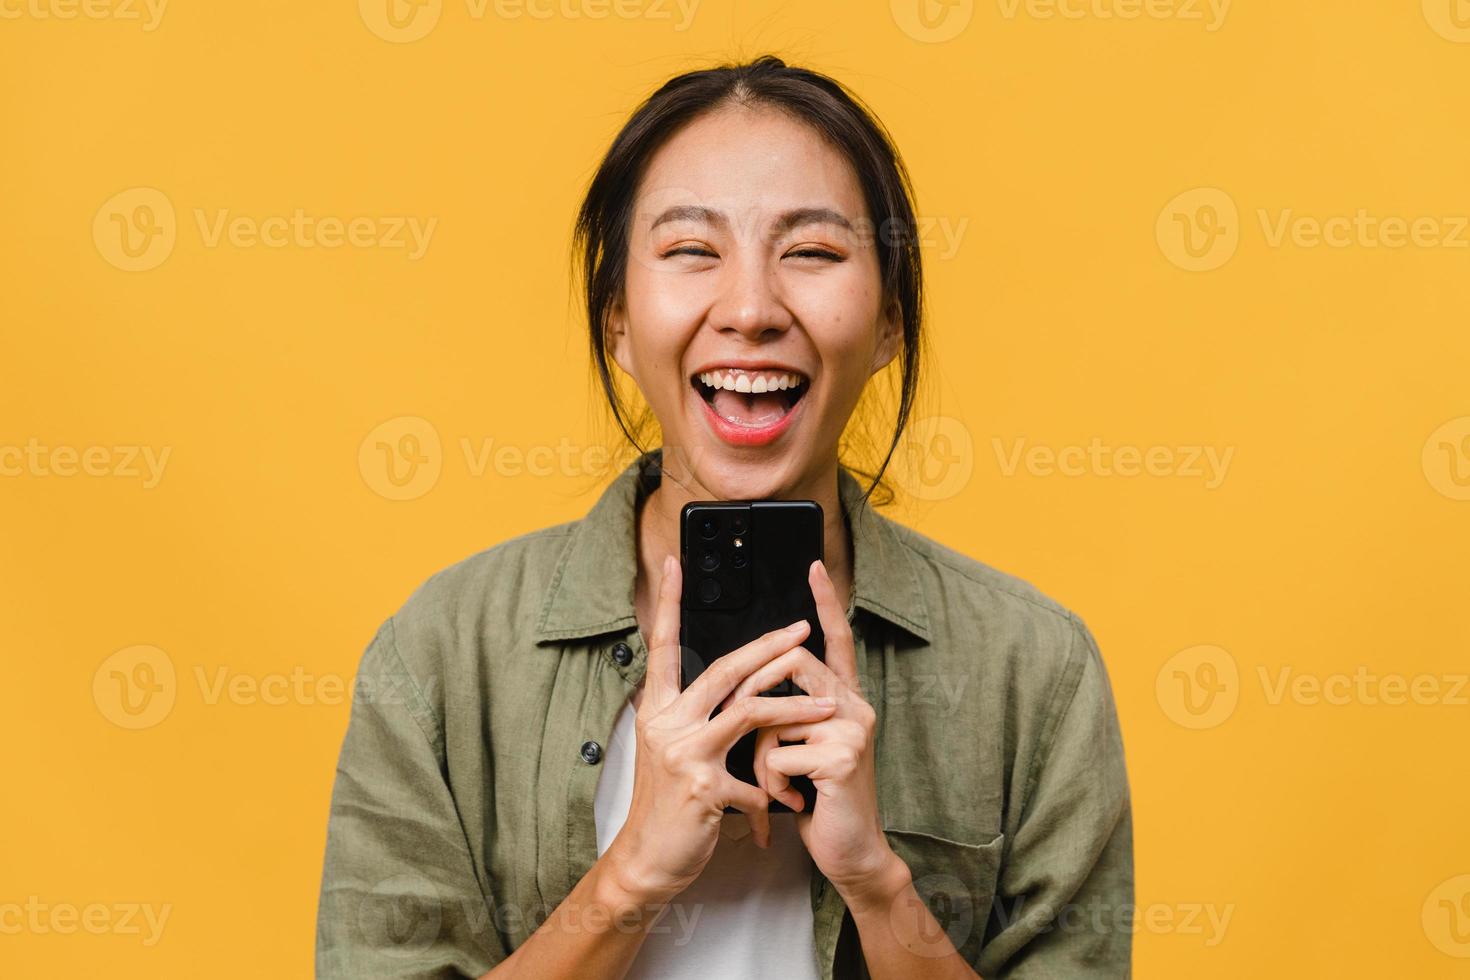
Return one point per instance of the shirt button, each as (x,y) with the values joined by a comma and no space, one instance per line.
(591,753)
(622,654)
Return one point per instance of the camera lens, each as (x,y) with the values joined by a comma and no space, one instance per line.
(709,561)
(738,561)
(708,527)
(709,590)
(737,525)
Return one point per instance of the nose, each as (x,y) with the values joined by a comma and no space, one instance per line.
(749,301)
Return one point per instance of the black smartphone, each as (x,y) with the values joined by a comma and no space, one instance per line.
(745,568)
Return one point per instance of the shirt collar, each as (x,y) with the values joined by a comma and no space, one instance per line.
(592,587)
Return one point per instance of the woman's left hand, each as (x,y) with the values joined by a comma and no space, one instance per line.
(843,832)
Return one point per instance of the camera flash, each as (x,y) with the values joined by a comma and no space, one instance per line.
(738,542)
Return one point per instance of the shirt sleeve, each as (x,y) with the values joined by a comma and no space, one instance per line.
(399,895)
(1064,898)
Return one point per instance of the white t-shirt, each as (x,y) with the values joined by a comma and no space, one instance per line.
(747,915)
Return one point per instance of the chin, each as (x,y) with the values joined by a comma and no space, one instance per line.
(737,479)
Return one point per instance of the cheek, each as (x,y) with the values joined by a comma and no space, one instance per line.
(842,318)
(660,314)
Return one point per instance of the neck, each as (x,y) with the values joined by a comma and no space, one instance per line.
(658,525)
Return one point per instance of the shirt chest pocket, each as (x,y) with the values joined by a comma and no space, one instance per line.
(955,879)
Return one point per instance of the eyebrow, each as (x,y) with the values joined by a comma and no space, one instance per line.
(788,219)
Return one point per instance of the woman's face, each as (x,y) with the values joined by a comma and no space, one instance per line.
(752,265)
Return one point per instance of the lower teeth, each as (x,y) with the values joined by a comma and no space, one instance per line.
(754,425)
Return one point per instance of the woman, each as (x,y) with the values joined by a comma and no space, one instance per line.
(525,791)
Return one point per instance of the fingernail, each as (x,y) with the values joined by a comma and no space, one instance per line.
(825,702)
(794,627)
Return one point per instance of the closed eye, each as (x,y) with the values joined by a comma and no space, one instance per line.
(803,253)
(816,253)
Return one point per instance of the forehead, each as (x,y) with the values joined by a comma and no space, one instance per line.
(748,159)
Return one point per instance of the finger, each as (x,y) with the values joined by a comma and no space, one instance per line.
(754,803)
(799,664)
(751,713)
(804,829)
(661,682)
(798,733)
(841,653)
(720,678)
(765,738)
(796,760)
(775,783)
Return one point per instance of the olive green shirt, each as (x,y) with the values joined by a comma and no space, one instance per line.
(462,813)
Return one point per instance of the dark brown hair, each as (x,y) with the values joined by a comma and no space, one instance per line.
(603,222)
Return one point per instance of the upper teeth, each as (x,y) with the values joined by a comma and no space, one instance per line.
(753,383)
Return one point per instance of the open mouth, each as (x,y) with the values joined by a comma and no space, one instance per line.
(752,399)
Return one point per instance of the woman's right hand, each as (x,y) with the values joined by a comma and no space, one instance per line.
(680,784)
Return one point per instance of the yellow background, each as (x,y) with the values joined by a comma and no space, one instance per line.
(1332,835)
